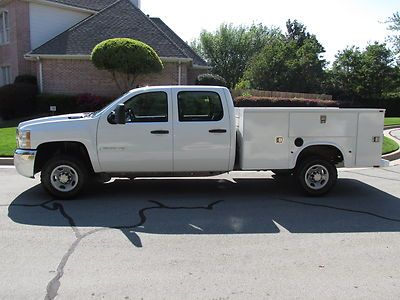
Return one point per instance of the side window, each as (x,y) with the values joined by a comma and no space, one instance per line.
(199,106)
(147,107)
(5,75)
(4,27)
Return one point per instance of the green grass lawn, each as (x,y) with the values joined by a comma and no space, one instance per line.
(7,141)
(389,146)
(7,135)
(392,121)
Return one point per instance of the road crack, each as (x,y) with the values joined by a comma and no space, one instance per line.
(55,283)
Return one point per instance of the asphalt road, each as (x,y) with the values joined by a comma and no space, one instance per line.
(230,237)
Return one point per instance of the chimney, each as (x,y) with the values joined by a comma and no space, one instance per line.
(136,3)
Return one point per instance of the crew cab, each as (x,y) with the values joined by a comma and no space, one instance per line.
(196,131)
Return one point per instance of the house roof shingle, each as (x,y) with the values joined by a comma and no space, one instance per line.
(197,60)
(121,19)
(86,4)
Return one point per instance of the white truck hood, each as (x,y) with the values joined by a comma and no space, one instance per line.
(53,119)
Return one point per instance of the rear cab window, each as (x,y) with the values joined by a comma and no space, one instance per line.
(199,106)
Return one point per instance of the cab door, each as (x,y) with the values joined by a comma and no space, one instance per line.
(144,143)
(202,131)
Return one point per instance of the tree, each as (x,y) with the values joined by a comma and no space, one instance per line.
(345,75)
(297,32)
(364,74)
(394,25)
(229,49)
(126,59)
(290,63)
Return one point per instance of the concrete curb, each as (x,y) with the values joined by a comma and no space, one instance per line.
(391,127)
(6,161)
(394,155)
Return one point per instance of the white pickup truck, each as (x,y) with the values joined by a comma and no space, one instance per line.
(196,131)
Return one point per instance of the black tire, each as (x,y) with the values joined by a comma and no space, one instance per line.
(74,177)
(316,176)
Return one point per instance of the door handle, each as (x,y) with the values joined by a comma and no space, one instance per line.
(160,132)
(217,131)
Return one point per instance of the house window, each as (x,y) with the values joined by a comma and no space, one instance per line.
(5,75)
(4,27)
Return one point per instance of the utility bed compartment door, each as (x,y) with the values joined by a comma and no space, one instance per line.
(265,143)
(323,124)
(370,127)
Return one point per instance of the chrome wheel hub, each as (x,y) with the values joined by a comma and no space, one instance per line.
(316,177)
(64,178)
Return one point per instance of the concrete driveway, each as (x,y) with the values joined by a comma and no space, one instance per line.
(240,236)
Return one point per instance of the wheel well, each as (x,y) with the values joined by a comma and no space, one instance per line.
(327,152)
(47,151)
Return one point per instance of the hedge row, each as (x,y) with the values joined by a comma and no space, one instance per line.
(391,104)
(70,104)
(253,101)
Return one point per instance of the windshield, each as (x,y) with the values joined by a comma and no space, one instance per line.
(99,112)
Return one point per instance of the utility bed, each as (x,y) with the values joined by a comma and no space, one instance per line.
(272,138)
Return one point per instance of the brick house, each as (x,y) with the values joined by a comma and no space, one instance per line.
(53,39)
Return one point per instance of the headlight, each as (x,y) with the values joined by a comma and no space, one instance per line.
(23,139)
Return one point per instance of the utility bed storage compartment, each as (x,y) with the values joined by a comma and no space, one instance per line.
(323,123)
(266,136)
(259,130)
(369,138)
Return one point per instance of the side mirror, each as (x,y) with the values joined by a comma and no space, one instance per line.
(120,114)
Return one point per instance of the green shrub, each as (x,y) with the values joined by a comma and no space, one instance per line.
(30,79)
(89,102)
(64,103)
(17,100)
(70,104)
(253,101)
(210,79)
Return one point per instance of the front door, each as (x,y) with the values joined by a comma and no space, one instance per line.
(144,143)
(202,130)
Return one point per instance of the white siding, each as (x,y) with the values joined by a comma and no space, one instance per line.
(46,22)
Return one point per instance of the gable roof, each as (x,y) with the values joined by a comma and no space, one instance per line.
(86,4)
(197,60)
(121,19)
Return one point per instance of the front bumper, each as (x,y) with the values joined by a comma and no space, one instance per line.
(24,162)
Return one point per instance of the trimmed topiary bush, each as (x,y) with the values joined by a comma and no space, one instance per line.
(126,59)
(210,79)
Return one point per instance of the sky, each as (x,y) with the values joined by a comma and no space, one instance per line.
(336,23)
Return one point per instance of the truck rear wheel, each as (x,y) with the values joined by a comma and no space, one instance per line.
(316,176)
(64,177)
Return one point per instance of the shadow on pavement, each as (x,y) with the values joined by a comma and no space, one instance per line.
(212,206)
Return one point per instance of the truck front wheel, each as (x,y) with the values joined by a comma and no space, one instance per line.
(316,176)
(64,177)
